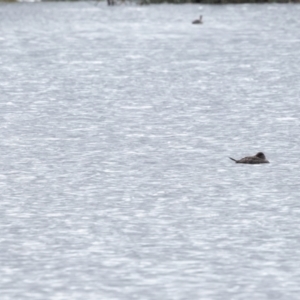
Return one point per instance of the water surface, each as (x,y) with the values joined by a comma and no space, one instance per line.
(116,127)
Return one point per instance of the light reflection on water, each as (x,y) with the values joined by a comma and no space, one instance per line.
(117,124)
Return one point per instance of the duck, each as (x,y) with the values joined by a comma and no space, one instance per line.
(198,21)
(258,158)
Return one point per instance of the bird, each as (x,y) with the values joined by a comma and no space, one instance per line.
(258,158)
(198,21)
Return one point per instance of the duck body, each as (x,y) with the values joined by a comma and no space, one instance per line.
(198,21)
(259,158)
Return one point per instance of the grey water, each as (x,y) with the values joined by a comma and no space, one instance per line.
(116,124)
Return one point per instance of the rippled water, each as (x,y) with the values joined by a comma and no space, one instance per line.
(116,127)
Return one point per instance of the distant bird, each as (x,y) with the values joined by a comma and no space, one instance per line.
(198,21)
(259,158)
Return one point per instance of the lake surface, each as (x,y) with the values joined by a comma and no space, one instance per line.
(116,127)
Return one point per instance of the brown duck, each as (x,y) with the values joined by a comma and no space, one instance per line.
(259,158)
(198,21)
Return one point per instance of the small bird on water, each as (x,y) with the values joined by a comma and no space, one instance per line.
(198,21)
(259,158)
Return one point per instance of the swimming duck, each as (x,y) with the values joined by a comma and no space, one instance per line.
(198,21)
(259,158)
